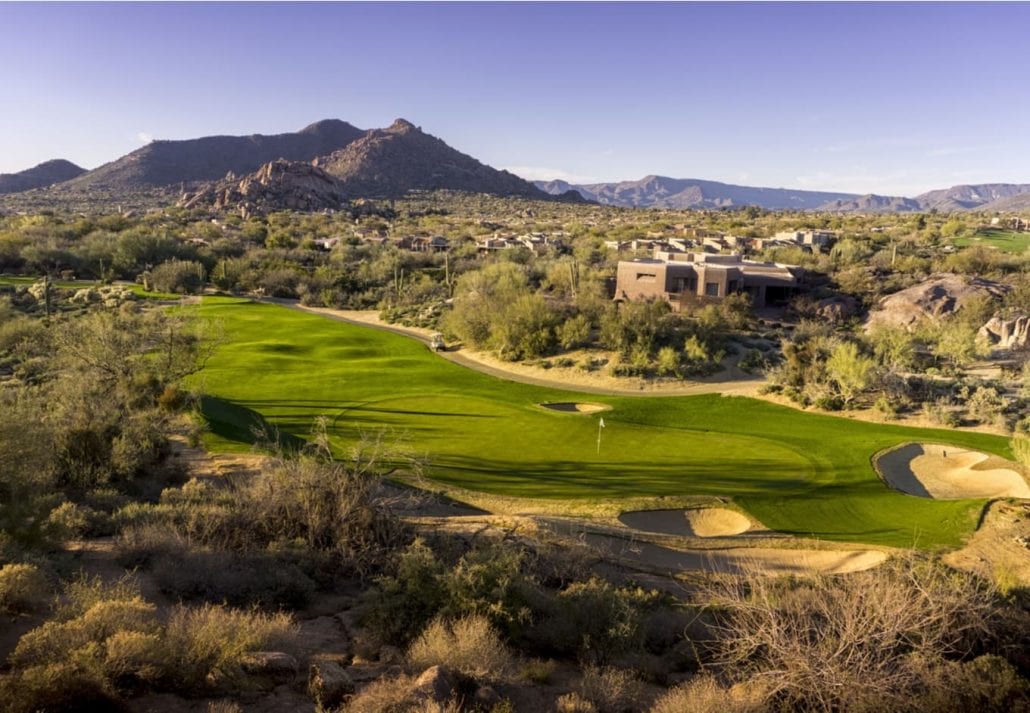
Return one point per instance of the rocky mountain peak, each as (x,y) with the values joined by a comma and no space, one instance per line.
(401,126)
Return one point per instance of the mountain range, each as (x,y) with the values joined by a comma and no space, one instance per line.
(258,171)
(321,166)
(685,193)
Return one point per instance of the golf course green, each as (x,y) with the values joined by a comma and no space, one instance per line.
(799,473)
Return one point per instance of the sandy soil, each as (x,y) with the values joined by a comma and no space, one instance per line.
(570,407)
(1000,548)
(728,560)
(950,473)
(203,465)
(740,560)
(699,522)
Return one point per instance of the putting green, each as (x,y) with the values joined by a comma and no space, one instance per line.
(798,473)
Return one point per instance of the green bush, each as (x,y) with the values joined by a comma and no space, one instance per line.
(595,620)
(179,276)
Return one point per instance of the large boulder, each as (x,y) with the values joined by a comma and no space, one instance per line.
(1008,332)
(271,667)
(436,683)
(937,298)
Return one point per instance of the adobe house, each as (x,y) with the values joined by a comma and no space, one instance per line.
(682,278)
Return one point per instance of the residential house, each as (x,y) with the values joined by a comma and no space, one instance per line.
(683,278)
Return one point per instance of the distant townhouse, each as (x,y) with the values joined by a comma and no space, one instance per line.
(683,278)
(811,238)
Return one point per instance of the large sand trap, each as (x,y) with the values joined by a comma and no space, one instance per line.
(570,407)
(700,522)
(931,470)
(739,560)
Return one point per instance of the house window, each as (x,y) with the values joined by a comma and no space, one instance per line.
(712,289)
(686,284)
(645,277)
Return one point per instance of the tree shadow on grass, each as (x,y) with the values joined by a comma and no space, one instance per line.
(233,422)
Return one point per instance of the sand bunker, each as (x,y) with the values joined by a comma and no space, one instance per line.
(570,407)
(930,470)
(739,560)
(701,522)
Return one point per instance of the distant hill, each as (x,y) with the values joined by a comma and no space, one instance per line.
(1019,203)
(971,197)
(45,174)
(680,193)
(169,163)
(401,158)
(872,204)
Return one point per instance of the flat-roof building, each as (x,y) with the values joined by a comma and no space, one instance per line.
(683,278)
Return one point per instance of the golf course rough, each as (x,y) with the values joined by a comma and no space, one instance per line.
(795,472)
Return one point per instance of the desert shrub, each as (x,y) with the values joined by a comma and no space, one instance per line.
(329,505)
(886,407)
(574,332)
(1020,445)
(179,276)
(941,413)
(80,594)
(57,641)
(595,620)
(611,690)
(23,588)
(488,580)
(849,644)
(258,579)
(704,694)
(102,639)
(405,600)
(69,520)
(574,703)
(57,688)
(224,706)
(469,645)
(384,695)
(537,671)
(668,361)
(987,684)
(212,641)
(752,362)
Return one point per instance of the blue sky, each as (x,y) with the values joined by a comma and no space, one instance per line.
(885,98)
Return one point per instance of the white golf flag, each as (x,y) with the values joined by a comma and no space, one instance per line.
(602,422)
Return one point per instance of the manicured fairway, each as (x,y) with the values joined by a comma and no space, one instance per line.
(1005,240)
(798,473)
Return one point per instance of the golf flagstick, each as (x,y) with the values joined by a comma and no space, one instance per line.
(600,425)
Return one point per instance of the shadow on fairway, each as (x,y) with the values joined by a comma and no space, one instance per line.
(234,422)
(565,479)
